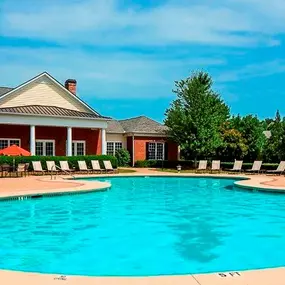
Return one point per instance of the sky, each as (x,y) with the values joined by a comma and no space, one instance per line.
(126,54)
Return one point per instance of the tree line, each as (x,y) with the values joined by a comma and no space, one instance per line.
(200,122)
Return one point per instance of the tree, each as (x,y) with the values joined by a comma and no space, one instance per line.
(251,129)
(275,146)
(123,157)
(195,117)
(234,145)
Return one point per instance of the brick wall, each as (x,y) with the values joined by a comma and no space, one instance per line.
(140,147)
(59,134)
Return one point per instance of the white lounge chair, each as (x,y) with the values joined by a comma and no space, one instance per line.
(96,166)
(108,166)
(65,166)
(51,167)
(216,165)
(237,166)
(83,167)
(202,166)
(280,169)
(37,167)
(255,167)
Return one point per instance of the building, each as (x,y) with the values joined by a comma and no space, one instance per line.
(48,118)
(143,137)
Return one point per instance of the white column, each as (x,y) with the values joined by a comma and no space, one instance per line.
(103,142)
(133,150)
(69,141)
(33,140)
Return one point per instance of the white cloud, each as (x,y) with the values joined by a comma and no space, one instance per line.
(116,74)
(261,69)
(105,22)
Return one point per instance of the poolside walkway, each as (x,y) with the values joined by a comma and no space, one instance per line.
(255,277)
(43,184)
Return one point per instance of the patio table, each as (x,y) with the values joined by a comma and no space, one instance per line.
(5,168)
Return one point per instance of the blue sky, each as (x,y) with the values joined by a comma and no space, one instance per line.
(126,55)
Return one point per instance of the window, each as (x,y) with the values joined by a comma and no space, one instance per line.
(8,142)
(78,147)
(112,147)
(155,151)
(45,147)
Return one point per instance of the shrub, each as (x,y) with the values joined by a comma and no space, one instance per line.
(72,160)
(123,157)
(190,164)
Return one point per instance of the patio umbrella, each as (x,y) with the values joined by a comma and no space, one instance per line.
(14,150)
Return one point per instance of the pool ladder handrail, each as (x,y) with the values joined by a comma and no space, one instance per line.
(64,171)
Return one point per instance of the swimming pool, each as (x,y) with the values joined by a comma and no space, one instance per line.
(145,226)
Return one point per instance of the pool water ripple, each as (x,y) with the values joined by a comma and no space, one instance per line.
(145,226)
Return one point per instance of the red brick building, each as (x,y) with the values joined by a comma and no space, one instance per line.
(143,137)
(48,118)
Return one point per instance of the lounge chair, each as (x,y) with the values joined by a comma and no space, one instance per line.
(108,166)
(83,167)
(237,166)
(280,169)
(65,166)
(37,167)
(216,165)
(202,166)
(96,166)
(255,167)
(51,167)
(22,169)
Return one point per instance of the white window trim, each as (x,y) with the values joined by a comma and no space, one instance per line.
(155,150)
(44,149)
(11,139)
(75,149)
(114,143)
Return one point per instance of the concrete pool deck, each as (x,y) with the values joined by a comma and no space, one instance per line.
(274,276)
(32,185)
(38,185)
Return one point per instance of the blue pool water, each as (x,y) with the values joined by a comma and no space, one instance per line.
(145,226)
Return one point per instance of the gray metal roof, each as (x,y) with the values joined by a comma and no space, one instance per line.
(143,125)
(49,111)
(4,90)
(115,127)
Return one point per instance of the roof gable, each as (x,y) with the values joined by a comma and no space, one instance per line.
(43,90)
(143,125)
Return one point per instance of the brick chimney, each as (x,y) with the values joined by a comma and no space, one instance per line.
(70,84)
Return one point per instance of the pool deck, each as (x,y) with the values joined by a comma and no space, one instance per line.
(43,185)
(274,276)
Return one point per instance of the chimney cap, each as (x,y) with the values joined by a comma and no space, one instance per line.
(70,81)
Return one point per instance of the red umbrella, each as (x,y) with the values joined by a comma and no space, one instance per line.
(14,150)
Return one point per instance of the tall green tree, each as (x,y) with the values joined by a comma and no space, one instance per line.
(195,117)
(251,129)
(275,146)
(234,144)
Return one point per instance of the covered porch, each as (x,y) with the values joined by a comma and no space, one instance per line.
(54,135)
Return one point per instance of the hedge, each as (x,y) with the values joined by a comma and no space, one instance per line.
(72,160)
(190,164)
